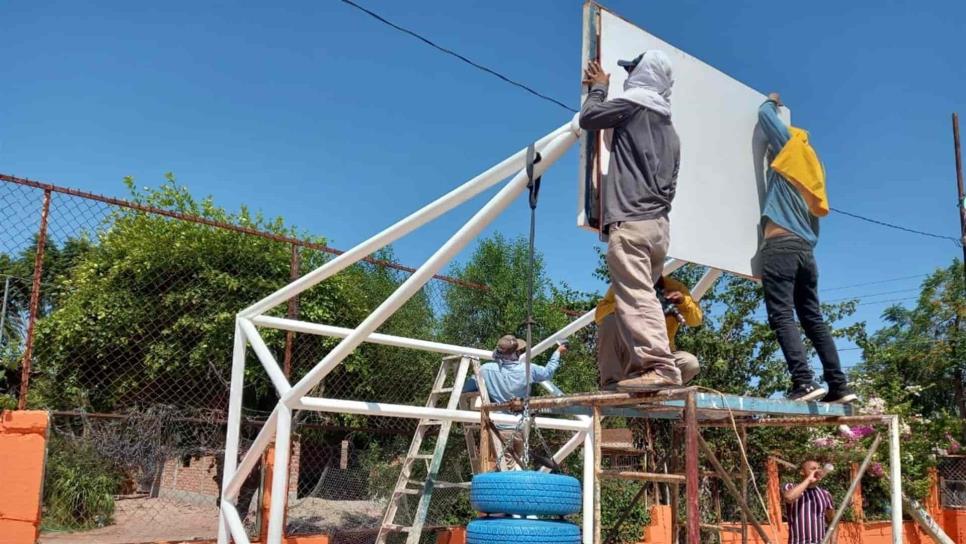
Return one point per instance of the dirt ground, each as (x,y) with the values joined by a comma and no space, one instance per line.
(146,520)
(151,520)
(319,516)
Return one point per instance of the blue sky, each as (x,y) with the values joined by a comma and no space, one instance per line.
(315,112)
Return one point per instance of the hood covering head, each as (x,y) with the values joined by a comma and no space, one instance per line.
(649,83)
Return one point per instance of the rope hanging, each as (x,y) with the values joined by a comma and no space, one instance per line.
(533,185)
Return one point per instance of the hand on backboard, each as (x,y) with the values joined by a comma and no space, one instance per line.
(595,75)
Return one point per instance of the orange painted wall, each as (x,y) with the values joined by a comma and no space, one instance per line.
(454,535)
(955,525)
(23,438)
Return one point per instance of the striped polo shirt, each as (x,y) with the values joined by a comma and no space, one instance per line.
(806,516)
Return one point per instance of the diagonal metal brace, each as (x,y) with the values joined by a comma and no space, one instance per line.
(733,489)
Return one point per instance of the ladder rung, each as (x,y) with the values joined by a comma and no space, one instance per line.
(443,390)
(396,528)
(408,491)
(427,456)
(427,422)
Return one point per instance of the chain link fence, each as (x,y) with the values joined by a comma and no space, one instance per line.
(123,331)
(952,481)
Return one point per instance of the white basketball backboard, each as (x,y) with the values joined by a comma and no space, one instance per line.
(716,211)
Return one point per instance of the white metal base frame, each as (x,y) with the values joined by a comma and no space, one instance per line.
(278,428)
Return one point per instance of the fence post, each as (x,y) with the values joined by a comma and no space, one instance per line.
(34,303)
(293,312)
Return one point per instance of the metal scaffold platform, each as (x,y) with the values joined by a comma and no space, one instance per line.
(692,409)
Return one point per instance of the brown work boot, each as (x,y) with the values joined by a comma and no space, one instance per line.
(649,381)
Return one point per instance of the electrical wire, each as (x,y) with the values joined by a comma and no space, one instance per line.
(953,239)
(863,284)
(452,53)
(872,294)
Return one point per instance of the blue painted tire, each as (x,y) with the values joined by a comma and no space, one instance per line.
(516,531)
(525,493)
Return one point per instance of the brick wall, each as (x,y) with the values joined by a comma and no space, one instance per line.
(193,480)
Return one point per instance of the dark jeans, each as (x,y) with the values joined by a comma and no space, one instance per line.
(790,278)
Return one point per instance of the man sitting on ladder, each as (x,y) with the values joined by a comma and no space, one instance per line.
(680,308)
(505,380)
(635,198)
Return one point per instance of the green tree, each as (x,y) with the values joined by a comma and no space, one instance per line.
(150,313)
(16,282)
(917,362)
(914,367)
(479,317)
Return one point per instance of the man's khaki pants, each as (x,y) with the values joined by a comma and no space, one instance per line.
(635,259)
(510,443)
(612,356)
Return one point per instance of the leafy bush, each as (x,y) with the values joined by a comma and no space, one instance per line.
(616,496)
(79,488)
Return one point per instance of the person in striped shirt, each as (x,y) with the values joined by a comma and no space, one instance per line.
(809,508)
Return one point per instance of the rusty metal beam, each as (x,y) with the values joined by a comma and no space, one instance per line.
(34,308)
(643,476)
(691,438)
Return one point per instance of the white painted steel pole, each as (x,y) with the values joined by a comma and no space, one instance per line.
(705,283)
(265,356)
(588,494)
(280,476)
(252,456)
(403,227)
(443,255)
(305,327)
(382,409)
(233,431)
(229,515)
(374,338)
(895,474)
(565,332)
(569,447)
(670,265)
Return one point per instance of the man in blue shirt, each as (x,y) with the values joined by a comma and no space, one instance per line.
(505,379)
(789,275)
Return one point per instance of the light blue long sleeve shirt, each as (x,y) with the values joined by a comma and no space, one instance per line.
(507,380)
(784,204)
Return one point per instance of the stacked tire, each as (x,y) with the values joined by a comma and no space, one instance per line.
(502,495)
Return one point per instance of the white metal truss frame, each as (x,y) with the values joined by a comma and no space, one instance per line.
(278,426)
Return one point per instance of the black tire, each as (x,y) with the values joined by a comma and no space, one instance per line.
(519,531)
(525,493)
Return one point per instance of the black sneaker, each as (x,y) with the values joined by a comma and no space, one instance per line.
(841,395)
(806,391)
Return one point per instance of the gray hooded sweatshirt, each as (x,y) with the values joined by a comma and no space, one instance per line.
(645,149)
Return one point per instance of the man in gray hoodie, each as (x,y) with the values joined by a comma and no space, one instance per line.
(636,196)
